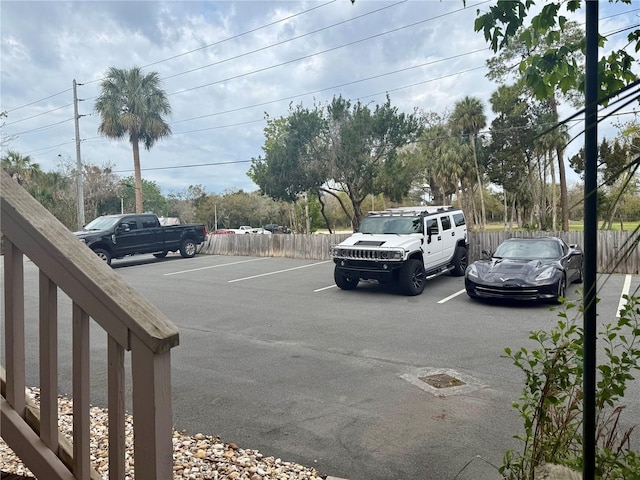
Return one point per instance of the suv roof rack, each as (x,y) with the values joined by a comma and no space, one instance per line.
(415,210)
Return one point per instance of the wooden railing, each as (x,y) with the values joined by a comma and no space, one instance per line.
(131,323)
(618,251)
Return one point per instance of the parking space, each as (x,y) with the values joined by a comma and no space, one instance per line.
(314,373)
(273,356)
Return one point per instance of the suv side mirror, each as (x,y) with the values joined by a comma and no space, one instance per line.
(123,227)
(432,230)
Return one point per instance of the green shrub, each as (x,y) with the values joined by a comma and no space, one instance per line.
(551,401)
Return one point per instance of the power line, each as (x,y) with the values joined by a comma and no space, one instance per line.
(321,52)
(260,28)
(279,43)
(38,114)
(184,53)
(283,41)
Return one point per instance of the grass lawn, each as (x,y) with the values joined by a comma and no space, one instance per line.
(573,226)
(499,227)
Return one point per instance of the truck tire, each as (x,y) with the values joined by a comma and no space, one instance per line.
(460,261)
(345,283)
(411,277)
(103,255)
(188,248)
(160,254)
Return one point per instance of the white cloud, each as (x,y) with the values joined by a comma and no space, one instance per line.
(219,90)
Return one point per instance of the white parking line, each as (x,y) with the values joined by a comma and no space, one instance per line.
(625,291)
(216,266)
(278,271)
(444,300)
(324,288)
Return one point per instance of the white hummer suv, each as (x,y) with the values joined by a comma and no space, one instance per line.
(406,246)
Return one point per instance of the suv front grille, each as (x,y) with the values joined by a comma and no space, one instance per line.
(379,254)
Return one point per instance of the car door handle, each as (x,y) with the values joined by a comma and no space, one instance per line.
(453,234)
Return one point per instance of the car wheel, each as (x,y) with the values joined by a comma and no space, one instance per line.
(344,282)
(188,249)
(580,274)
(460,262)
(103,255)
(412,277)
(160,254)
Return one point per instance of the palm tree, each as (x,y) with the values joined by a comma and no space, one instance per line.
(468,119)
(20,167)
(133,104)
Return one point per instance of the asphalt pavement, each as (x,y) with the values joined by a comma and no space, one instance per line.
(274,357)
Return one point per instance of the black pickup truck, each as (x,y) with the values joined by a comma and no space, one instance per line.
(116,236)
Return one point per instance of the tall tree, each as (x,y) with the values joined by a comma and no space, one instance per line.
(507,159)
(20,167)
(345,148)
(514,54)
(468,119)
(133,104)
(56,191)
(554,68)
(618,163)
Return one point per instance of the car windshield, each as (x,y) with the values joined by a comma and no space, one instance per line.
(101,223)
(529,250)
(395,224)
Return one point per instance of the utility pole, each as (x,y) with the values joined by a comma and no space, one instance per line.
(590,241)
(79,182)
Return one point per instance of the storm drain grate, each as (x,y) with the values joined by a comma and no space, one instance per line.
(442,380)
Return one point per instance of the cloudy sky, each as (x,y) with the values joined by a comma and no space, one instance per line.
(226,65)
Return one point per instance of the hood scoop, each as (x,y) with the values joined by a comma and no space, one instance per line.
(370,243)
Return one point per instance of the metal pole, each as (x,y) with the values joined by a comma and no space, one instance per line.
(79,182)
(590,240)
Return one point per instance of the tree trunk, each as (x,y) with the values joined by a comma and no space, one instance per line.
(357,214)
(506,210)
(137,175)
(322,212)
(564,196)
(483,218)
(554,194)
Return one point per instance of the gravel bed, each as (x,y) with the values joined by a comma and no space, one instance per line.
(197,457)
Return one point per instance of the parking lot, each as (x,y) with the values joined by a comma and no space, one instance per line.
(273,356)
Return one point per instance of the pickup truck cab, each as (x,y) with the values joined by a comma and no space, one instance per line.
(117,236)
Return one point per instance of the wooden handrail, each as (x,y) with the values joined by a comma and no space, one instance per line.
(75,268)
(131,323)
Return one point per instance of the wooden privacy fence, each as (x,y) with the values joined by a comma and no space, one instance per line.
(618,251)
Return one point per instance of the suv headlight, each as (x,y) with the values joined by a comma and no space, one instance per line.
(396,254)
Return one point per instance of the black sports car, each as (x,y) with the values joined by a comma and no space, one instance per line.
(526,269)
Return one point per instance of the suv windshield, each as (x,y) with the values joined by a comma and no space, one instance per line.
(101,223)
(393,224)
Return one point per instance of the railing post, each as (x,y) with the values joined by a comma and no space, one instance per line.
(116,393)
(81,417)
(152,424)
(48,362)
(14,326)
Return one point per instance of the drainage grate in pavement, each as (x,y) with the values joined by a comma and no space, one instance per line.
(442,382)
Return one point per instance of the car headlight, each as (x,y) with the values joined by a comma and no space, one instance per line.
(546,274)
(472,271)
